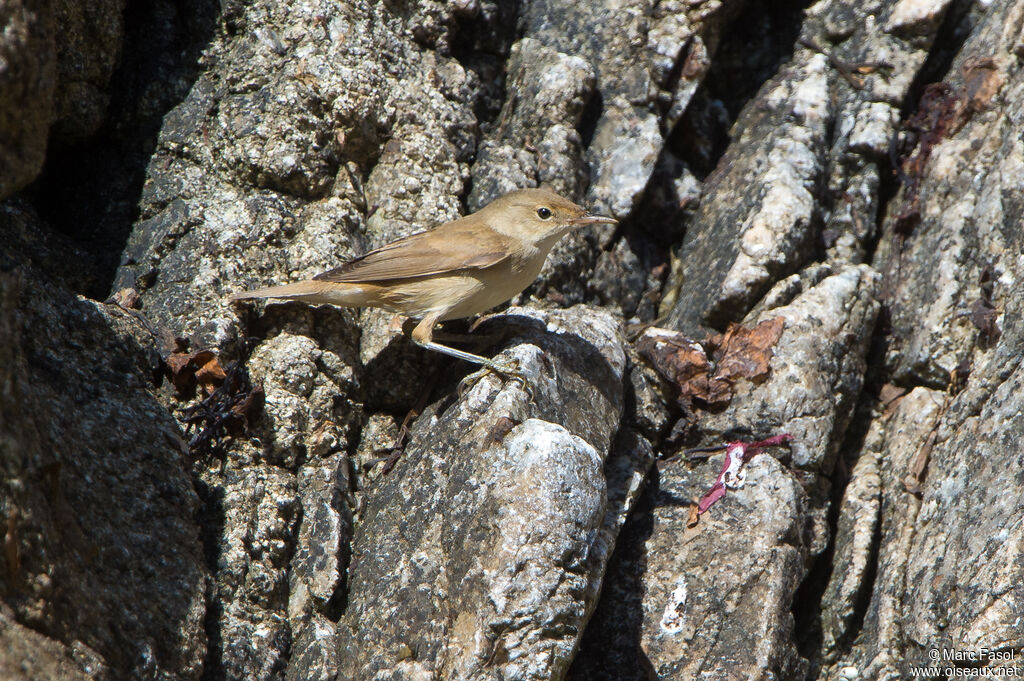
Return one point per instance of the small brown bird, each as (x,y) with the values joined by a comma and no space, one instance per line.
(459,269)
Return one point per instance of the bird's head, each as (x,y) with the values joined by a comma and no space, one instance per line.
(538,215)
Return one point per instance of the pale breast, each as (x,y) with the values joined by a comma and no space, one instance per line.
(498,284)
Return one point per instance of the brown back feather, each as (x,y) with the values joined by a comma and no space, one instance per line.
(460,245)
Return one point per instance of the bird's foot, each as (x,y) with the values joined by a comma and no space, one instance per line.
(508,370)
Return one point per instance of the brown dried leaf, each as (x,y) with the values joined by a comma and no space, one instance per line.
(210,374)
(251,404)
(747,353)
(182,373)
(740,353)
(694,517)
(202,367)
(502,427)
(126,298)
(983,315)
(680,360)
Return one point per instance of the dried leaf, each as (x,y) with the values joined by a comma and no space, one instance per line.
(740,353)
(226,412)
(936,115)
(983,316)
(983,312)
(913,481)
(126,298)
(502,427)
(210,374)
(694,517)
(187,369)
(181,371)
(747,353)
(680,360)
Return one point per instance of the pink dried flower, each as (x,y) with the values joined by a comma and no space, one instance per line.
(737,454)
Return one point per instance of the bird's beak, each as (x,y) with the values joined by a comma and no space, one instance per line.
(588,219)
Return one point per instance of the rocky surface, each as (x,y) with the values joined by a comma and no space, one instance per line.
(28,81)
(287,492)
(103,558)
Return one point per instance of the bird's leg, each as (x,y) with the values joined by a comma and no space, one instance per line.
(423,336)
(446,337)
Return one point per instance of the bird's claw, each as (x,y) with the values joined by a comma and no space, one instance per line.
(507,370)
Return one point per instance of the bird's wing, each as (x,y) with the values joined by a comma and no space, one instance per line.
(449,248)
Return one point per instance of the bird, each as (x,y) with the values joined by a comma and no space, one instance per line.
(459,269)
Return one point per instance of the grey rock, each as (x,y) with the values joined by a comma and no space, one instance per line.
(535,140)
(866,118)
(479,556)
(762,196)
(832,137)
(521,534)
(877,531)
(314,653)
(321,553)
(88,49)
(822,351)
(104,573)
(26,655)
(943,455)
(253,515)
(967,230)
(28,82)
(707,588)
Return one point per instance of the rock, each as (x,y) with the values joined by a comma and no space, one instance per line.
(768,207)
(520,533)
(27,655)
(874,533)
(87,52)
(822,352)
(481,554)
(28,81)
(550,90)
(943,455)
(104,573)
(949,276)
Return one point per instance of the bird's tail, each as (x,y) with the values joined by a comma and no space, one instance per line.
(315,293)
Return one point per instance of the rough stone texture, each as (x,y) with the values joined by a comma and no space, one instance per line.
(26,655)
(705,589)
(821,352)
(482,554)
(648,60)
(102,553)
(769,214)
(962,444)
(803,167)
(58,57)
(88,49)
(936,271)
(550,90)
(28,82)
(520,535)
(876,529)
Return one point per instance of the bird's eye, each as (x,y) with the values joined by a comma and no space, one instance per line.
(544,212)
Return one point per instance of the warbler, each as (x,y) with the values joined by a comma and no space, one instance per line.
(459,269)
